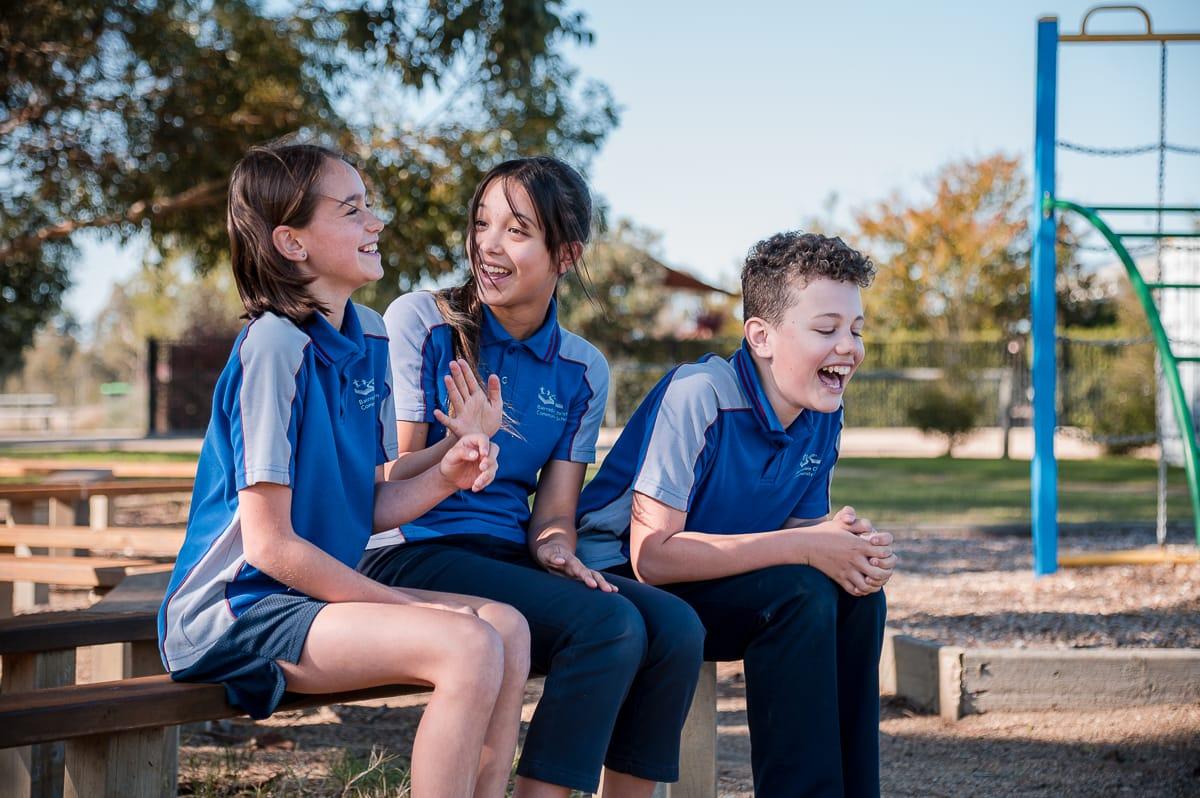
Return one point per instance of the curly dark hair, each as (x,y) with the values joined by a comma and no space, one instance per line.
(777,263)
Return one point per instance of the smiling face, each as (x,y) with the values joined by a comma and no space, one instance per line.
(806,360)
(515,272)
(340,244)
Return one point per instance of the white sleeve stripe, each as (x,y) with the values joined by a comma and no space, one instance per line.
(266,401)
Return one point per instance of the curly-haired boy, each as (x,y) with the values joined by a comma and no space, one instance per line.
(718,491)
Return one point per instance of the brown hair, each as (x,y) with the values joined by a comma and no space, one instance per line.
(775,264)
(564,212)
(273,185)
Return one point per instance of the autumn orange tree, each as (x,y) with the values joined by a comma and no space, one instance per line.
(957,261)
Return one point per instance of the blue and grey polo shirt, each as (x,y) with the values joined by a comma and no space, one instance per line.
(706,441)
(554,385)
(306,406)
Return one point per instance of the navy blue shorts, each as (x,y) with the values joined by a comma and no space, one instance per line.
(244,658)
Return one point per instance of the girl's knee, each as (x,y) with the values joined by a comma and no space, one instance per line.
(474,662)
(508,623)
(614,627)
(676,633)
(514,635)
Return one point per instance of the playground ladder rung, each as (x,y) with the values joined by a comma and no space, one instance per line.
(1168,234)
(1188,358)
(1156,286)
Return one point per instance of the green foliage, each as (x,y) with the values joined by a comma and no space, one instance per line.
(616,299)
(1118,405)
(126,117)
(950,408)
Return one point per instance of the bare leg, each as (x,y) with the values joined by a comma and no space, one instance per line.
(500,742)
(532,788)
(354,645)
(623,785)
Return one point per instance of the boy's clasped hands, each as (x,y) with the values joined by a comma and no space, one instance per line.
(856,556)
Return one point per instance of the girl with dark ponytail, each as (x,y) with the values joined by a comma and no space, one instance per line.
(621,657)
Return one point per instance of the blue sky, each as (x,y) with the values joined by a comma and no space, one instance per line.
(738,123)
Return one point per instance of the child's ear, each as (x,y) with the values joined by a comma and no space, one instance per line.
(570,255)
(286,243)
(758,336)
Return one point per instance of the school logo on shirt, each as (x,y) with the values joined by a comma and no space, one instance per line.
(808,466)
(366,393)
(549,406)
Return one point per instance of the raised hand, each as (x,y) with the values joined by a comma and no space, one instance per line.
(471,463)
(472,409)
(557,558)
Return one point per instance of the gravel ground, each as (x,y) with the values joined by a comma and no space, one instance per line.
(978,590)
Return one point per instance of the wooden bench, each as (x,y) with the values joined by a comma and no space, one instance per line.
(113,725)
(26,467)
(81,502)
(38,651)
(99,573)
(130,541)
(72,499)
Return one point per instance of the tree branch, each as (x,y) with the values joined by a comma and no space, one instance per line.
(198,196)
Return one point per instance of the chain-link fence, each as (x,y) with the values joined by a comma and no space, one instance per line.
(1105,387)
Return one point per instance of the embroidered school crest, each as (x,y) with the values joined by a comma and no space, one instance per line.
(365,389)
(808,465)
(549,406)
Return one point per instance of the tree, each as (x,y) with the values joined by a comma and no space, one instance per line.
(959,261)
(623,293)
(126,117)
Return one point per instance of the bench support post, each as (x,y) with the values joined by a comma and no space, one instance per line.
(130,764)
(34,771)
(698,743)
(24,596)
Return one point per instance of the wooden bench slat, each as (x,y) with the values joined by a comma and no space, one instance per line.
(51,631)
(158,541)
(27,467)
(147,702)
(139,592)
(128,613)
(82,490)
(74,571)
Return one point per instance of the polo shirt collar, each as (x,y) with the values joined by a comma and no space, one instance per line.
(743,364)
(336,346)
(543,344)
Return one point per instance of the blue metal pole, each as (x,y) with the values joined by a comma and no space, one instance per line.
(1044,474)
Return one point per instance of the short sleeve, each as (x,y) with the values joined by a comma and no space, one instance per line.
(679,439)
(814,500)
(263,399)
(414,355)
(389,448)
(578,440)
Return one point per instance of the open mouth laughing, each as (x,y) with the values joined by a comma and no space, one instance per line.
(834,377)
